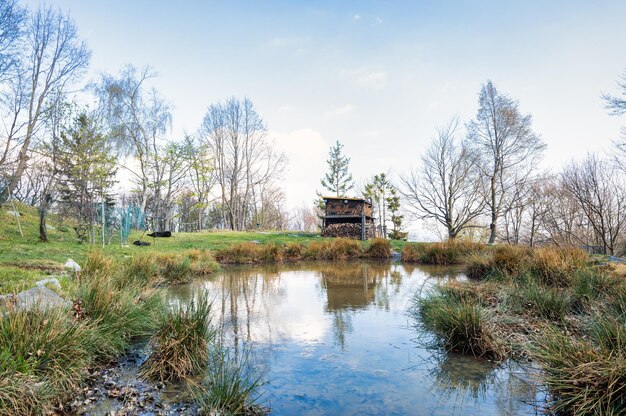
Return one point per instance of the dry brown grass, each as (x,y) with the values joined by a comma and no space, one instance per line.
(454,251)
(379,248)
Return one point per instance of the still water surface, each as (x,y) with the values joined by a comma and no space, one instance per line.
(335,338)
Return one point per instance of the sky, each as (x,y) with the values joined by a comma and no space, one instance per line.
(379,76)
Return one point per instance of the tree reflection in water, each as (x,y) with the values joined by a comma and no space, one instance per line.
(331,330)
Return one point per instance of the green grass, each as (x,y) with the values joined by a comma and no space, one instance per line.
(458,323)
(583,379)
(230,386)
(45,354)
(180,348)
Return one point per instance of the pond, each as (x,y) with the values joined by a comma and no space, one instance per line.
(335,338)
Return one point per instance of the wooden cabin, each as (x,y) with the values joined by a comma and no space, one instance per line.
(348,217)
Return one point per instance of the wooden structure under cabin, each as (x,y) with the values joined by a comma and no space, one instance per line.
(348,217)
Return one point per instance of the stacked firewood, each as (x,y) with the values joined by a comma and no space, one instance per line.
(348,230)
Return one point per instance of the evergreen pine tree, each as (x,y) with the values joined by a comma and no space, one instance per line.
(337,180)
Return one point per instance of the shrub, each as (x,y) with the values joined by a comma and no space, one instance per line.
(379,248)
(582,379)
(180,346)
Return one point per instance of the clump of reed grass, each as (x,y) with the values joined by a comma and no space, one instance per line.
(453,251)
(582,379)
(98,265)
(549,303)
(174,269)
(271,253)
(608,332)
(293,251)
(554,266)
(333,249)
(379,248)
(43,356)
(242,253)
(180,348)
(592,283)
(230,386)
(140,269)
(22,394)
(202,262)
(458,324)
(115,314)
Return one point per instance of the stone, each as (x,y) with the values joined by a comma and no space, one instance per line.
(53,281)
(40,297)
(72,265)
(12,213)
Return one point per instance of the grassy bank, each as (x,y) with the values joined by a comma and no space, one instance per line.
(24,260)
(444,253)
(45,352)
(551,305)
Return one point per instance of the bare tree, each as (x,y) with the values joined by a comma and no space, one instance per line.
(11,19)
(54,57)
(304,219)
(138,121)
(245,161)
(507,146)
(601,195)
(202,175)
(447,188)
(616,104)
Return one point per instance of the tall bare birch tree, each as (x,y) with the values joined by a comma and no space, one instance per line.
(139,119)
(507,146)
(244,160)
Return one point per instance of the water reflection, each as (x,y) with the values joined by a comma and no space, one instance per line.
(334,338)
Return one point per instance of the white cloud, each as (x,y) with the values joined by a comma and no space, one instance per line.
(306,152)
(356,17)
(367,78)
(340,111)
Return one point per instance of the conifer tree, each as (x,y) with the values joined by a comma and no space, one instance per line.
(337,180)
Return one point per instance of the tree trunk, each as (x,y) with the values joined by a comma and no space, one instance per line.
(43,211)
(494,215)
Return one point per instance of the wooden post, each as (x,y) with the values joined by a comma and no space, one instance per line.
(363,234)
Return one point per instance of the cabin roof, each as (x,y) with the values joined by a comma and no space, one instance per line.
(335,198)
